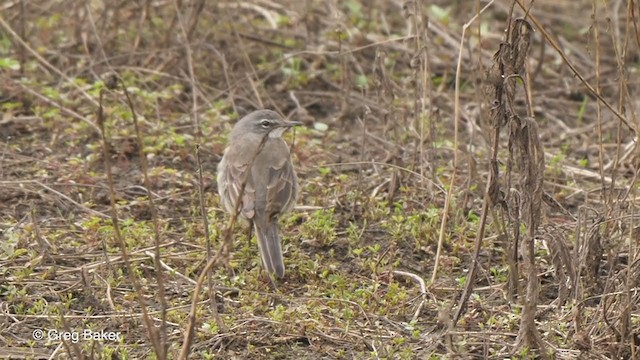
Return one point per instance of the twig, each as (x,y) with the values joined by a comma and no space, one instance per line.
(192,78)
(575,71)
(43,61)
(225,247)
(188,336)
(456,121)
(55,104)
(151,330)
(423,290)
(56,351)
(207,239)
(170,269)
(86,209)
(156,227)
(250,6)
(76,349)
(389,165)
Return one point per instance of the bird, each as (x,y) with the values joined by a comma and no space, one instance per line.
(257,157)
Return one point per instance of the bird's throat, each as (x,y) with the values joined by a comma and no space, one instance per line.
(277,133)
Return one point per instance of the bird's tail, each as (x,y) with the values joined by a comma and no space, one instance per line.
(270,248)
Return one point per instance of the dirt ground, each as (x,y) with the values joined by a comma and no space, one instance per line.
(454,203)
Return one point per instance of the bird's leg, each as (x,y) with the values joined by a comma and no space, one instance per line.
(273,283)
(250,231)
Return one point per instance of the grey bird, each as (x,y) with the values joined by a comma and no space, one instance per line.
(257,154)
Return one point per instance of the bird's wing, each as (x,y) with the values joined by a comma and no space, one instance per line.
(235,176)
(281,187)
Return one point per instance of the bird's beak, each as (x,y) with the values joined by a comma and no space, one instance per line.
(290,124)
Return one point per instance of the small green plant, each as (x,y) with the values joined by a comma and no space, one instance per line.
(500,273)
(9,64)
(279,313)
(294,72)
(321,227)
(582,110)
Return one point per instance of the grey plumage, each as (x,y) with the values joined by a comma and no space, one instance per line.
(271,183)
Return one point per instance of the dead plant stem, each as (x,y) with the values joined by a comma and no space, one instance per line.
(456,121)
(162,300)
(106,153)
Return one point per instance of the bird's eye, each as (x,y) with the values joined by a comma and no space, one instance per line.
(265,123)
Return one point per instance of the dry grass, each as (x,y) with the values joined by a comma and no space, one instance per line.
(515,174)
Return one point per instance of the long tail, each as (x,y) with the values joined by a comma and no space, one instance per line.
(270,248)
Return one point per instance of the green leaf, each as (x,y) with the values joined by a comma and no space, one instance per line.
(440,13)
(362,81)
(9,63)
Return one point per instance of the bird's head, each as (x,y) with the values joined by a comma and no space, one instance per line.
(263,122)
